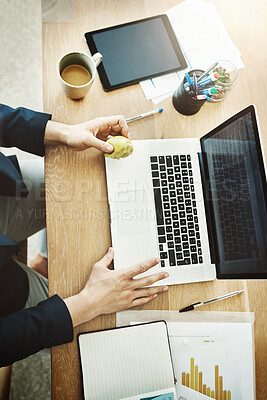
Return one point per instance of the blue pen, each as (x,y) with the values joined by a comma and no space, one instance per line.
(189,80)
(209,79)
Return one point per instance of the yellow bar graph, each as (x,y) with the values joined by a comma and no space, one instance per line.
(204,389)
(194,380)
(187,379)
(216,382)
(220,388)
(183,378)
(192,374)
(200,383)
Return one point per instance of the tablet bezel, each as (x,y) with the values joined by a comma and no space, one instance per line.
(101,70)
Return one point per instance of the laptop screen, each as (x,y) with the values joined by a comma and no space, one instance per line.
(236,195)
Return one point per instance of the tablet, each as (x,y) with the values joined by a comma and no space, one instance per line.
(136,51)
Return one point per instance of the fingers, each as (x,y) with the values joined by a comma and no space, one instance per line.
(107,259)
(117,124)
(147,292)
(101,145)
(140,268)
(149,280)
(143,300)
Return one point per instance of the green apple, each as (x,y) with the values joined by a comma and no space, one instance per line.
(123,147)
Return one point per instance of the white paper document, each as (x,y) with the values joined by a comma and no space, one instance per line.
(203,39)
(212,353)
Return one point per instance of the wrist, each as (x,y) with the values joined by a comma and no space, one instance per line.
(56,133)
(80,308)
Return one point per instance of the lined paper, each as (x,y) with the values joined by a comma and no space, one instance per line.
(126,362)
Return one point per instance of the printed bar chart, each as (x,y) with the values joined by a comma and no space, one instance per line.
(194,380)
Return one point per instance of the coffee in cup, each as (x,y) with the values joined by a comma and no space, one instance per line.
(76,73)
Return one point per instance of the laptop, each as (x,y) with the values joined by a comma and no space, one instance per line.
(198,205)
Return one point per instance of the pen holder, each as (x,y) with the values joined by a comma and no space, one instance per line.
(183,102)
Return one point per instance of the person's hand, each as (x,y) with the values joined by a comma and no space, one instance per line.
(93,133)
(108,291)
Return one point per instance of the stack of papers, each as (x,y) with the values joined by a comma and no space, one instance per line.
(203,40)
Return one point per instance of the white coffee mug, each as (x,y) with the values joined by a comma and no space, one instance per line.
(77,57)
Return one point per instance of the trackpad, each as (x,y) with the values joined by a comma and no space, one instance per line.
(131,212)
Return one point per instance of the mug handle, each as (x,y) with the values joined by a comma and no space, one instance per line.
(97,58)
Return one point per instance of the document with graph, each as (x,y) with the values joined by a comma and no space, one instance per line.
(211,358)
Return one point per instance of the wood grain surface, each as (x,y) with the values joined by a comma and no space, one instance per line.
(76,195)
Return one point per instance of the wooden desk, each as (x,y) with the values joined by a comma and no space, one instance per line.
(77,210)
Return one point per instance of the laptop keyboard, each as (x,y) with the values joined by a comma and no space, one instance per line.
(177,219)
(234,205)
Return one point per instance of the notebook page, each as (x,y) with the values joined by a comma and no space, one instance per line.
(125,362)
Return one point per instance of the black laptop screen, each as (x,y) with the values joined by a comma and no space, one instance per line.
(236,196)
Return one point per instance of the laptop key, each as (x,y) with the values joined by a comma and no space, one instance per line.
(170,237)
(163,175)
(162,239)
(170,245)
(168,229)
(179,256)
(184,238)
(155,174)
(175,160)
(162,263)
(177,240)
(194,258)
(167,214)
(161,247)
(173,202)
(182,157)
(169,161)
(161,160)
(158,203)
(164,191)
(171,257)
(176,224)
(156,182)
(162,168)
(163,255)
(200,259)
(154,167)
(175,217)
(161,230)
(153,159)
(168,221)
(178,247)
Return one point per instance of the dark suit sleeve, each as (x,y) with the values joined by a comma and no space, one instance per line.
(23,128)
(28,331)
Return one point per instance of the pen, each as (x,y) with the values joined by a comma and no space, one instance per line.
(208,79)
(144,115)
(189,80)
(208,71)
(199,304)
(195,83)
(210,91)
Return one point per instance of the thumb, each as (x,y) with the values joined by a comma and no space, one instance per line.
(107,259)
(101,145)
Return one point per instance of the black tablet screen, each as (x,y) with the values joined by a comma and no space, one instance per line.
(134,51)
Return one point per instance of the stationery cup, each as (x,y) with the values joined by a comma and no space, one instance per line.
(183,102)
(83,60)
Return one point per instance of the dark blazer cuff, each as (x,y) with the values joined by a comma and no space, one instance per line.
(61,327)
